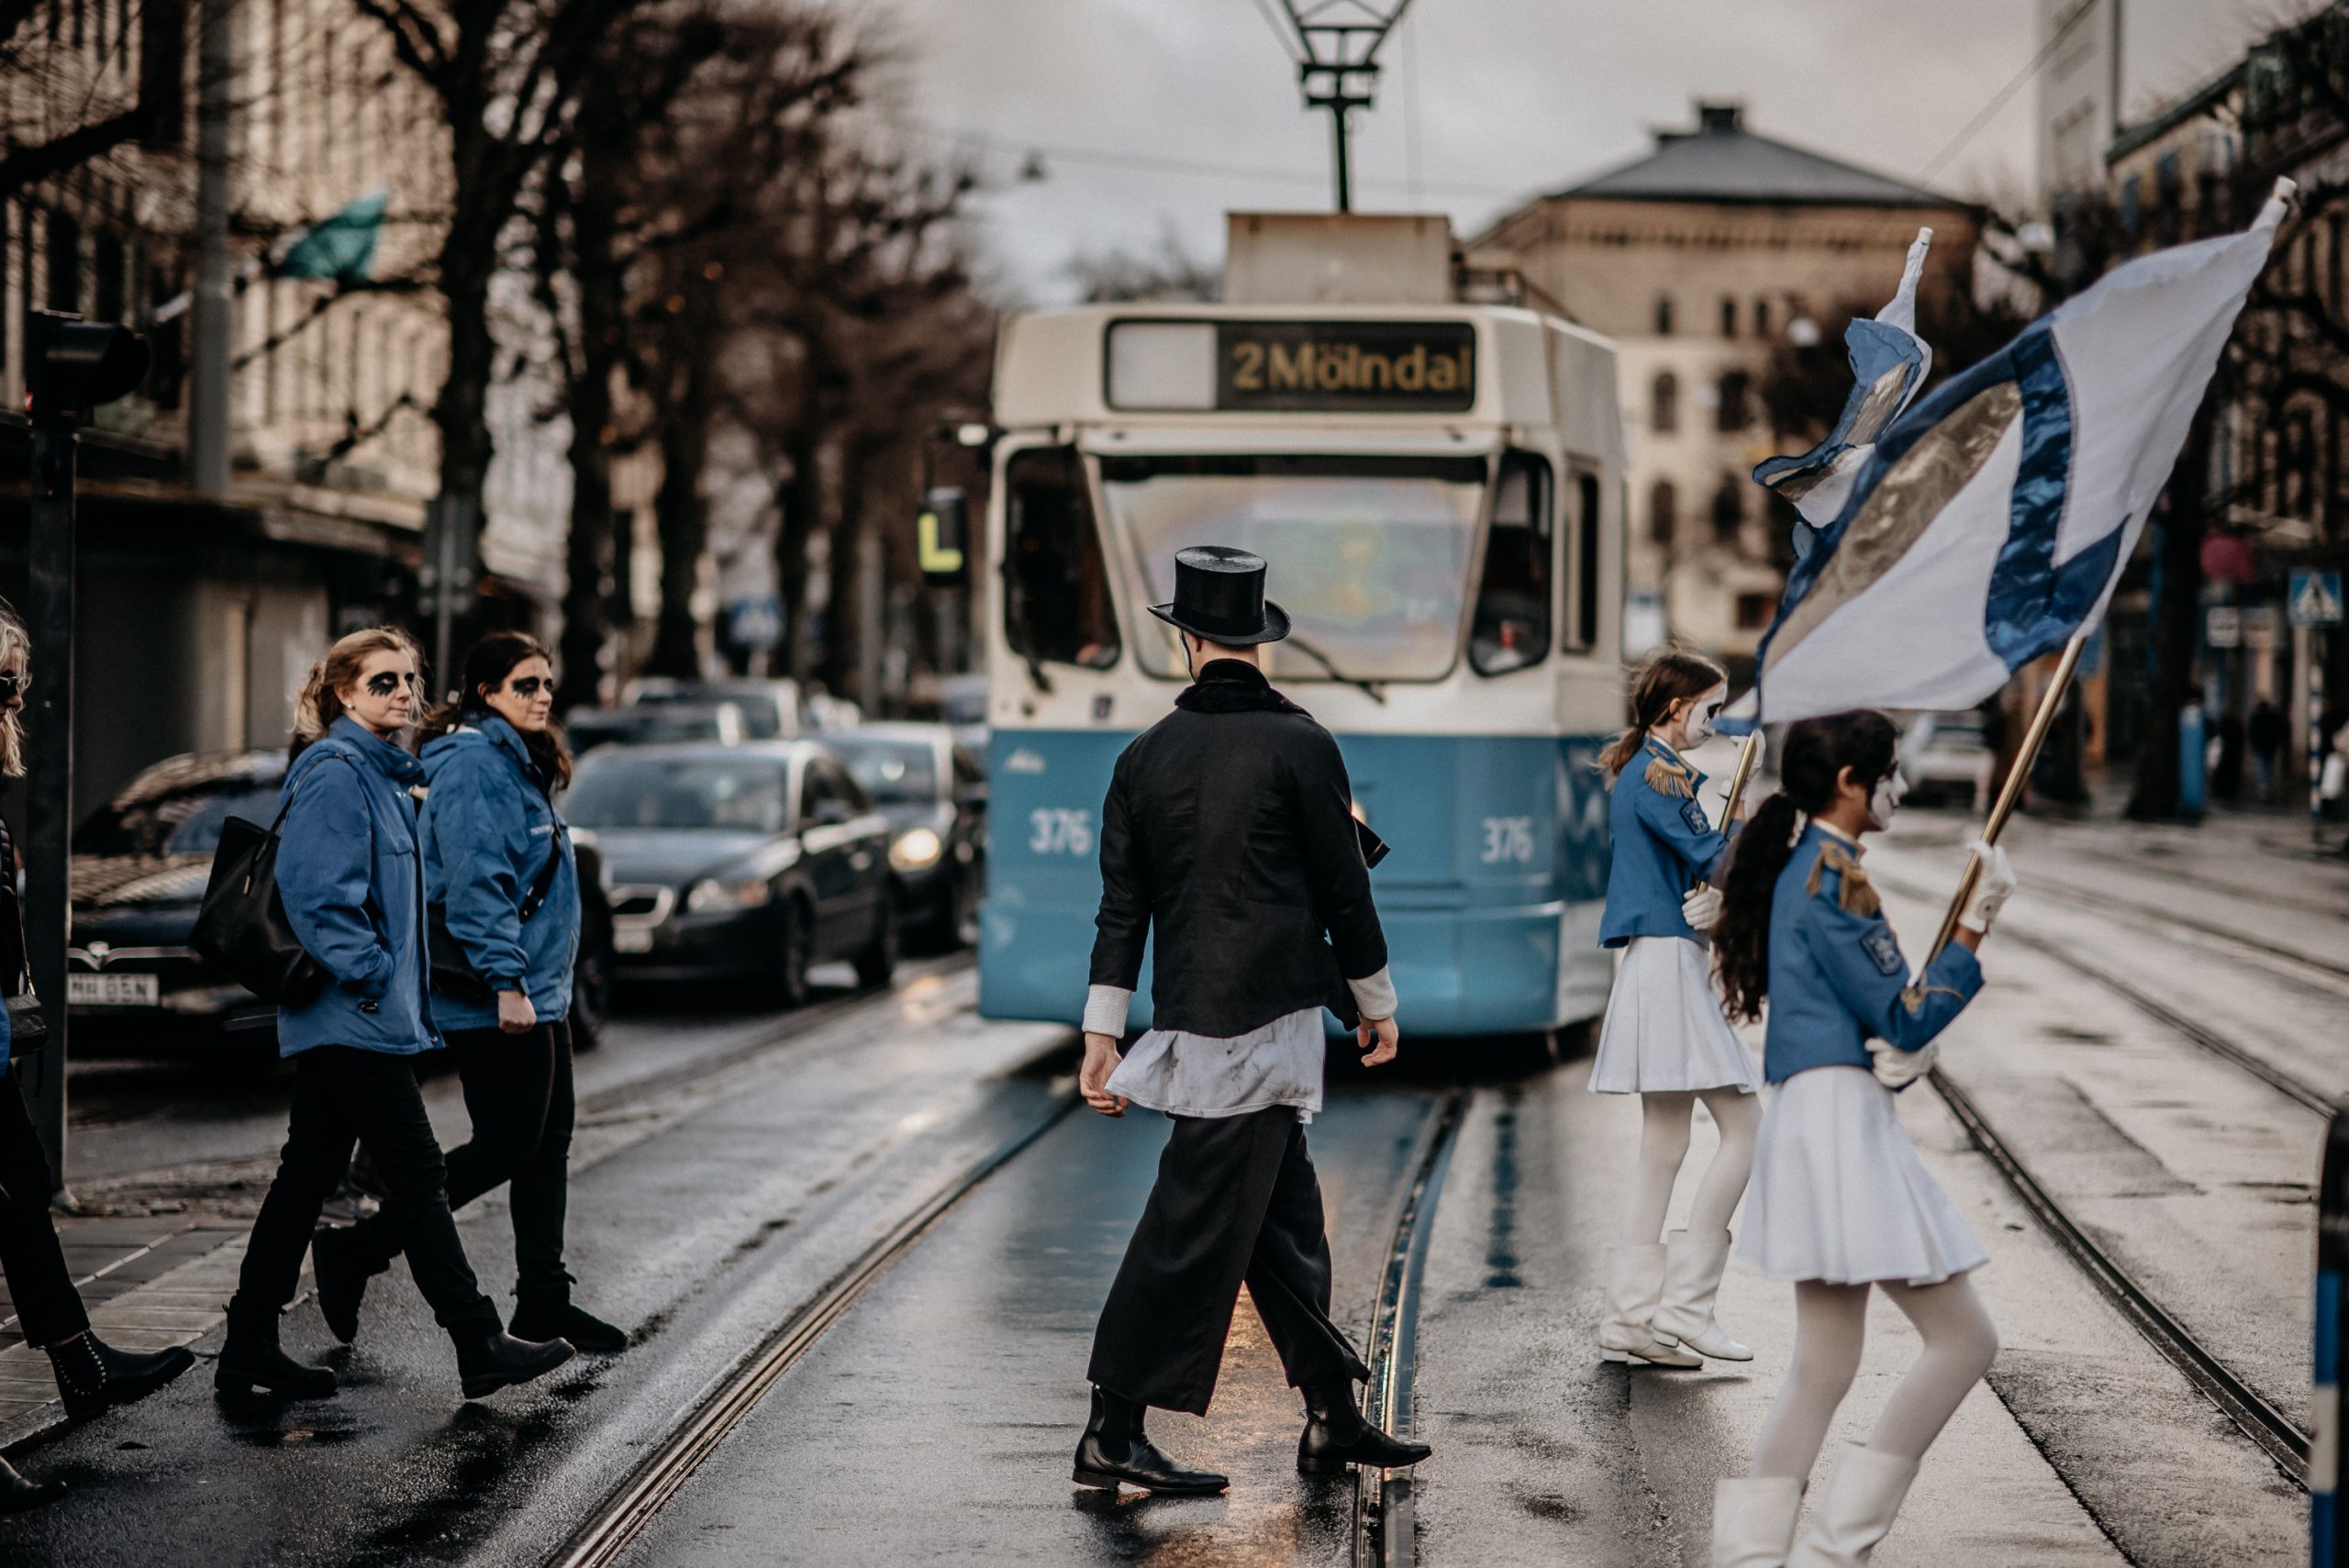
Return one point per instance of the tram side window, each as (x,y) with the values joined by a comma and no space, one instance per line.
(1512,625)
(1582,636)
(1056,603)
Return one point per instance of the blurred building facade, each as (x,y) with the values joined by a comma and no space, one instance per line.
(1696,259)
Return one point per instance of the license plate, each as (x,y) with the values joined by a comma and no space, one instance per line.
(627,940)
(111,990)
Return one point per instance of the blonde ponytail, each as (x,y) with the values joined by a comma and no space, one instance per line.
(16,647)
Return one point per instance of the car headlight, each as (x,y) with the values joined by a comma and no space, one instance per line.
(712,897)
(917,849)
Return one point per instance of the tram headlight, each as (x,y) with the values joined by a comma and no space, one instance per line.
(917,849)
(712,897)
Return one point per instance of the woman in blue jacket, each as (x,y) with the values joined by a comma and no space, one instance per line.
(1840,1203)
(498,869)
(352,884)
(1663,1038)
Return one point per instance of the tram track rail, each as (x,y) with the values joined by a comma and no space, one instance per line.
(605,1536)
(1385,1517)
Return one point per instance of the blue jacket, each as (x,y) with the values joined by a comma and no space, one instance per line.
(1837,976)
(489,829)
(1662,845)
(353,885)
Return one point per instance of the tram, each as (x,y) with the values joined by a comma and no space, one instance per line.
(1438,489)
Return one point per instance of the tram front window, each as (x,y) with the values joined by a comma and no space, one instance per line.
(1369,555)
(1056,605)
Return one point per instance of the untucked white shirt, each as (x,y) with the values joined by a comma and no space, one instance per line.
(1184,1074)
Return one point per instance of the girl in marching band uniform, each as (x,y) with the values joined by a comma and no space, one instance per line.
(1664,1037)
(1840,1201)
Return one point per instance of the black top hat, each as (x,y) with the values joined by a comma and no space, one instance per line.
(1219,596)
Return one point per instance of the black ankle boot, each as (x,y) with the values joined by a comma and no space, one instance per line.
(552,1316)
(1335,1435)
(489,1359)
(250,1361)
(344,1258)
(92,1375)
(17,1493)
(1114,1450)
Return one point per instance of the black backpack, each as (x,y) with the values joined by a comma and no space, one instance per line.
(242,926)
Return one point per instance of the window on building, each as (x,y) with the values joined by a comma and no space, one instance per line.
(1512,625)
(108,263)
(1663,402)
(1761,318)
(2131,205)
(1728,316)
(1732,415)
(1753,611)
(62,288)
(1664,316)
(1663,505)
(1729,510)
(1056,601)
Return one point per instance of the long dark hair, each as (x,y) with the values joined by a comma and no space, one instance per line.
(1667,678)
(486,667)
(1815,755)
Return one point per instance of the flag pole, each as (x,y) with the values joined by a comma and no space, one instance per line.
(2011,791)
(1747,756)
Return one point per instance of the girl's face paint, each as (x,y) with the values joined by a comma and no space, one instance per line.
(1697,722)
(1885,799)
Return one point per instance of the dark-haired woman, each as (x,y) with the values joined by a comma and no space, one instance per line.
(353,890)
(498,864)
(1663,1038)
(1841,1204)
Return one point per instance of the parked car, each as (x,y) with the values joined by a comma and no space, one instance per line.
(1944,756)
(935,795)
(771,709)
(140,864)
(752,861)
(656,724)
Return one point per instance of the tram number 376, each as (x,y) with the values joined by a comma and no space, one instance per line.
(1058,832)
(1508,840)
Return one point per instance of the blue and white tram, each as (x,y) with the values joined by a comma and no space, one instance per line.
(1438,490)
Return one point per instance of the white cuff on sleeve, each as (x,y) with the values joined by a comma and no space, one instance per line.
(1104,1010)
(1374,995)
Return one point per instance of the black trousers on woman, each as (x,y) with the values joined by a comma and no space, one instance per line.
(341,1095)
(40,1286)
(1236,1200)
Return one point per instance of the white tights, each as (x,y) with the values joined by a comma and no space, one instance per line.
(1664,1144)
(1831,1324)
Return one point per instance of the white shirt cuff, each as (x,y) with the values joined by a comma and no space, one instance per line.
(1104,1010)
(1374,995)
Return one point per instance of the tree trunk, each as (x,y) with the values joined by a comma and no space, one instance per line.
(797,499)
(589,550)
(2176,615)
(844,620)
(677,508)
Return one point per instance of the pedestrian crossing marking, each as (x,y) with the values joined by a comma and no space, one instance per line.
(2316,598)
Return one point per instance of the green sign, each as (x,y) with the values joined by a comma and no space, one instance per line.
(1337,367)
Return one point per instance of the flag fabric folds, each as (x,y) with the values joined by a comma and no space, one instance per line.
(1889,364)
(341,247)
(1994,518)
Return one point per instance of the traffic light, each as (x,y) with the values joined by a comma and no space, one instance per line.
(73,365)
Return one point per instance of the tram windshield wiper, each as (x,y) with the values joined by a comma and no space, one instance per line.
(1369,689)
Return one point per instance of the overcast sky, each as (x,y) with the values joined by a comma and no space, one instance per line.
(1151,113)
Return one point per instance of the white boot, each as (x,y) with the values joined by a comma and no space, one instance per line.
(1634,1284)
(1693,1262)
(1856,1511)
(1753,1521)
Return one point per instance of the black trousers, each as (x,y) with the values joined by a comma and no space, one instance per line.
(1236,1200)
(518,1093)
(341,1095)
(47,1307)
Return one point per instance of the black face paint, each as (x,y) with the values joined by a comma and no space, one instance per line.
(387,682)
(530,686)
(14,685)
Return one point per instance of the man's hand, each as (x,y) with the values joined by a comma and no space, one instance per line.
(1383,1032)
(1093,1078)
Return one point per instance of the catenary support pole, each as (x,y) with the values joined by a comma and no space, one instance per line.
(49,795)
(2327,1548)
(208,383)
(2010,792)
(2316,737)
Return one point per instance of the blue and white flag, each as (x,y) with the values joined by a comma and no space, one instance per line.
(1993,520)
(1889,364)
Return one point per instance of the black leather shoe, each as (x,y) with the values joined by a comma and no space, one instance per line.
(1335,1436)
(18,1493)
(345,1259)
(251,1362)
(490,1359)
(1113,1451)
(542,1317)
(92,1375)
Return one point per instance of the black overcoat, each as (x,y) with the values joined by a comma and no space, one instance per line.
(1229,831)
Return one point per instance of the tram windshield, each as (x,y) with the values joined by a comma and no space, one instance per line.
(1369,553)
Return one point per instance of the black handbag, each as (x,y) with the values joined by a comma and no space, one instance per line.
(242,927)
(452,972)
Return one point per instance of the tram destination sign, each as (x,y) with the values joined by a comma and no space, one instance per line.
(1292,367)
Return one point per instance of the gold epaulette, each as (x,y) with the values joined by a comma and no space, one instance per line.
(1667,777)
(1856,897)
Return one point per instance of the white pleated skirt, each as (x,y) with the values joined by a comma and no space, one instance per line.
(1838,1192)
(1663,1028)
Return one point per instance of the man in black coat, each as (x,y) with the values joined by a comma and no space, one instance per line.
(1229,829)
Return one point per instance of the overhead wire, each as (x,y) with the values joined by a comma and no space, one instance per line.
(2006,94)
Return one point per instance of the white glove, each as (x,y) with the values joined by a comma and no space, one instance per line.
(1991,889)
(1896,1069)
(1702,909)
